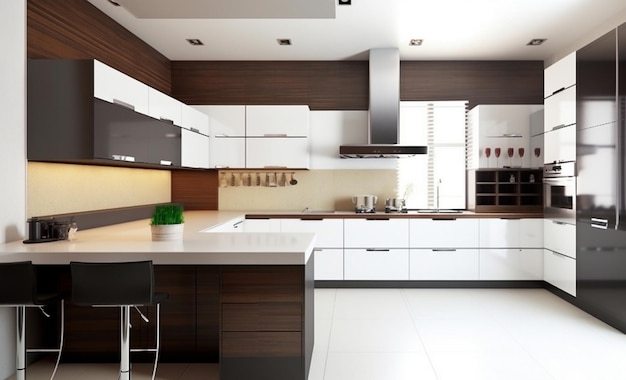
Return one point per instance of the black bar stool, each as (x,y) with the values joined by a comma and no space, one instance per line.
(125,285)
(18,288)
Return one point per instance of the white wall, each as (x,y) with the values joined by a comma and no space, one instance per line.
(12,151)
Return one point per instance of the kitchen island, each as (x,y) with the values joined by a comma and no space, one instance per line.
(243,300)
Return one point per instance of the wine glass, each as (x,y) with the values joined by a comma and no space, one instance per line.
(487,154)
(497,152)
(520,151)
(510,152)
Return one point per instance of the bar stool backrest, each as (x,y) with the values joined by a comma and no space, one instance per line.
(112,284)
(17,283)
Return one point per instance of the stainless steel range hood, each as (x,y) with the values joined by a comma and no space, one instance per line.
(384,113)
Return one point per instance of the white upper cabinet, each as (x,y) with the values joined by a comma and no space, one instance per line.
(560,75)
(227,152)
(194,149)
(194,120)
(164,107)
(560,110)
(277,121)
(116,87)
(225,121)
(278,152)
(501,127)
(560,144)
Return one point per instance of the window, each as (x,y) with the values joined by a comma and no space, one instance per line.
(440,174)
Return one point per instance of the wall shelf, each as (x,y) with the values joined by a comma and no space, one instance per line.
(505,190)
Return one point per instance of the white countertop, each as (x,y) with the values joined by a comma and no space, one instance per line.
(132,242)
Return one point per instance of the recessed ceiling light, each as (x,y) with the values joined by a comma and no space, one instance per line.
(114,3)
(345,2)
(283,41)
(416,42)
(194,42)
(536,41)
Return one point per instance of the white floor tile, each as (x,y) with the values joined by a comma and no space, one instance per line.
(424,334)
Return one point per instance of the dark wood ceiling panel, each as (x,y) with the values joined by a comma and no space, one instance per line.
(75,29)
(479,82)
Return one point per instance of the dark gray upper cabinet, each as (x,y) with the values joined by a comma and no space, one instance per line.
(596,138)
(621,117)
(65,123)
(596,78)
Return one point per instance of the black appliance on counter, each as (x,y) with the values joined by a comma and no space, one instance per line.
(601,182)
(41,230)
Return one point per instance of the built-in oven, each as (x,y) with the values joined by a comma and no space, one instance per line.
(559,192)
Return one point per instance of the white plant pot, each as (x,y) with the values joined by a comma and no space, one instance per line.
(167,232)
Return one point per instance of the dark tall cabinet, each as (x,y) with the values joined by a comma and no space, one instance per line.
(601,190)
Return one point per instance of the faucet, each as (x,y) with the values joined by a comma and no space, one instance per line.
(438,185)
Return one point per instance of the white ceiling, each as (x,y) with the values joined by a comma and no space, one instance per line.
(451,29)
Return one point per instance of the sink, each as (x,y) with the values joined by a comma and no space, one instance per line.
(439,211)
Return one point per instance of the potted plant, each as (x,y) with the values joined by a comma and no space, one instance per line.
(167,222)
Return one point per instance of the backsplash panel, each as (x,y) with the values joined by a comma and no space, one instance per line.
(61,188)
(317,190)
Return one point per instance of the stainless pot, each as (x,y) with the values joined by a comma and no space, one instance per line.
(395,204)
(364,203)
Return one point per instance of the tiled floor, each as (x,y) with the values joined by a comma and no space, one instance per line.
(443,334)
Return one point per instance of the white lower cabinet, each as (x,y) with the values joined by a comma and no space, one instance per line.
(444,264)
(376,264)
(560,237)
(511,264)
(328,244)
(443,233)
(376,233)
(560,271)
(328,263)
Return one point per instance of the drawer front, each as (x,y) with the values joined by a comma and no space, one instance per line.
(262,317)
(511,264)
(328,263)
(499,233)
(444,265)
(560,237)
(329,231)
(560,271)
(363,264)
(244,284)
(436,233)
(376,233)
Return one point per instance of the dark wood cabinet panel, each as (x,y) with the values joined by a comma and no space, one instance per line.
(262,317)
(207,313)
(75,29)
(195,189)
(251,284)
(178,312)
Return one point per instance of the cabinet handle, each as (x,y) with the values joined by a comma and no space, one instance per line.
(442,219)
(314,219)
(510,218)
(236,225)
(444,250)
(275,135)
(166,162)
(123,104)
(192,129)
(560,126)
(558,222)
(274,167)
(604,223)
(376,219)
(559,90)
(559,255)
(121,157)
(377,250)
(166,120)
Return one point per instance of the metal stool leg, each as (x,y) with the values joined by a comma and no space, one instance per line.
(125,344)
(61,339)
(20,355)
(158,339)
